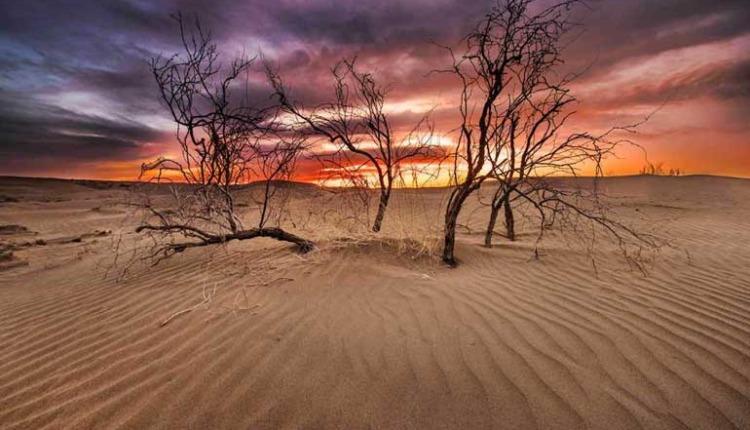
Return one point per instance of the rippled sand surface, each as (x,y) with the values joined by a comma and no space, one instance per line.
(362,337)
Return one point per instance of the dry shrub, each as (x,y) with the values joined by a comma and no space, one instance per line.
(340,219)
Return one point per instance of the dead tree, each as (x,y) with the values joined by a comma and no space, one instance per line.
(503,57)
(357,123)
(537,151)
(223,139)
(531,147)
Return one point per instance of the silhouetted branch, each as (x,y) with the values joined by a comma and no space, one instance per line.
(357,124)
(224,141)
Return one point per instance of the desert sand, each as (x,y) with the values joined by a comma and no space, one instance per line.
(370,333)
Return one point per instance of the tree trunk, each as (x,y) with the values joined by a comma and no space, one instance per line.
(494,210)
(498,199)
(510,224)
(384,197)
(451,220)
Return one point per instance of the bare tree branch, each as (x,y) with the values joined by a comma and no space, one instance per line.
(357,123)
(225,140)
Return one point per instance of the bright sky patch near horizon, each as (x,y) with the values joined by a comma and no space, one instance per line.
(77,99)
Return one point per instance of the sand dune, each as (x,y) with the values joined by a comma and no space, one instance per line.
(356,336)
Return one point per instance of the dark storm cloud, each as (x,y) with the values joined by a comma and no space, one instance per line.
(37,137)
(614,30)
(368,23)
(76,86)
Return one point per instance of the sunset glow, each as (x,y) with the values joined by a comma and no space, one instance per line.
(83,104)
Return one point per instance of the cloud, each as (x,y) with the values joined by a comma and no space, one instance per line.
(693,71)
(75,87)
(39,138)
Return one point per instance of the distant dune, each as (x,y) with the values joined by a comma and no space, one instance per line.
(369,333)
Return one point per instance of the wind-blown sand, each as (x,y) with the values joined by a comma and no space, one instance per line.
(357,337)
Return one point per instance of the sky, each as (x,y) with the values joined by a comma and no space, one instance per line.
(77,99)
